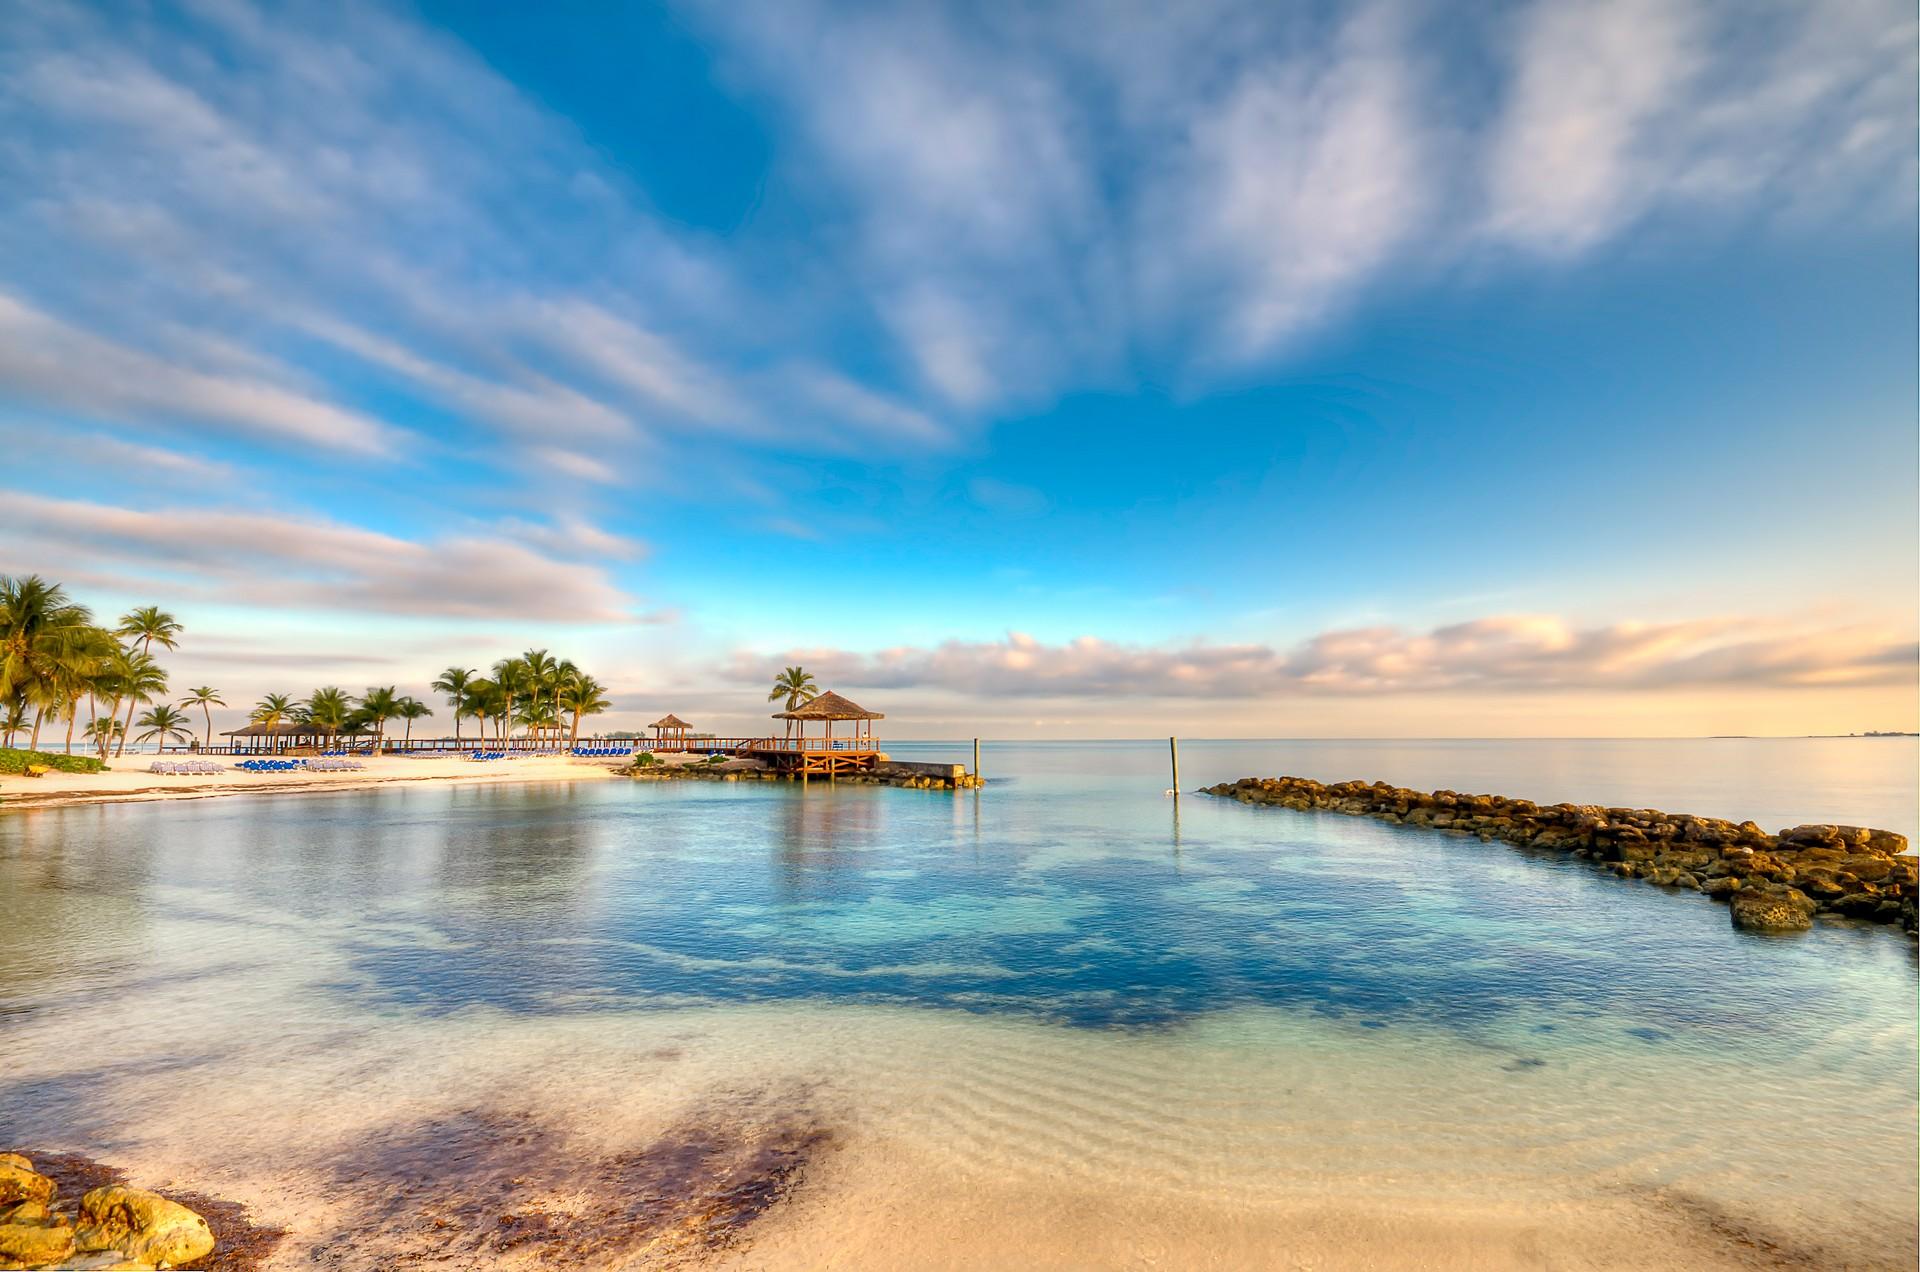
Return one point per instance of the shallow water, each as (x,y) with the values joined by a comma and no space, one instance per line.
(1058,1013)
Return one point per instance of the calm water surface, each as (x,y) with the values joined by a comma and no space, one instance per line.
(1067,973)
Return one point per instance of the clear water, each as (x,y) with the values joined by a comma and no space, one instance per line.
(1192,1009)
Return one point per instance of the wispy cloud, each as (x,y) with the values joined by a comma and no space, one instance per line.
(263,560)
(1502,654)
(1042,193)
(50,363)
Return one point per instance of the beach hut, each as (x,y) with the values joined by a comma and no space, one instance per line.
(272,737)
(670,728)
(827,708)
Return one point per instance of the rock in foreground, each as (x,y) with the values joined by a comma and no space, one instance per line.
(1773,882)
(116,1227)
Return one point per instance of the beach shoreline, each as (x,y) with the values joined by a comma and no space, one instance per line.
(129,781)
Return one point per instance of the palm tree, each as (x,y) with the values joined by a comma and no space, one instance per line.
(796,685)
(327,710)
(144,626)
(511,675)
(273,711)
(539,684)
(377,706)
(583,695)
(103,731)
(206,698)
(136,679)
(13,721)
(483,697)
(412,709)
(40,628)
(456,683)
(165,723)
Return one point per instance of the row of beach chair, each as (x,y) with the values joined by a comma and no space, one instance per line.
(186,768)
(590,752)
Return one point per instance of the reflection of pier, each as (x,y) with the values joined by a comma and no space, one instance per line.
(796,752)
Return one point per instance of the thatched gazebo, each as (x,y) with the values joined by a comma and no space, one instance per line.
(829,707)
(670,724)
(269,737)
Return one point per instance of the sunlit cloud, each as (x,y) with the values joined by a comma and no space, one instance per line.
(270,561)
(1500,654)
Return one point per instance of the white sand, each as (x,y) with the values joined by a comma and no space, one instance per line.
(128,779)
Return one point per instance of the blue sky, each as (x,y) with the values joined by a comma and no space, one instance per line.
(1066,369)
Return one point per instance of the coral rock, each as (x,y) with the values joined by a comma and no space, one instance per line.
(144,1226)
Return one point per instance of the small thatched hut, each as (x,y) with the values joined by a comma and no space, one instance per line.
(829,707)
(670,728)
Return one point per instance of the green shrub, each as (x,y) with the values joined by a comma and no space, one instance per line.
(16,761)
(644,760)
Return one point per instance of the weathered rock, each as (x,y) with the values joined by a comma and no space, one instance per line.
(20,1182)
(1769,910)
(144,1226)
(1853,871)
(35,1245)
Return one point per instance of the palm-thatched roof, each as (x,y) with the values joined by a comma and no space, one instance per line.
(669,722)
(274,731)
(829,706)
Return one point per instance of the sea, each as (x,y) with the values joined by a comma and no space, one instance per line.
(1066,1020)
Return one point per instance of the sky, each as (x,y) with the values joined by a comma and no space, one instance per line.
(1024,370)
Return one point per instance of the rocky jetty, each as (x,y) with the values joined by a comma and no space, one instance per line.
(114,1227)
(1772,882)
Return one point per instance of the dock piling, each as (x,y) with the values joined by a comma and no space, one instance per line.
(976,757)
(1173,747)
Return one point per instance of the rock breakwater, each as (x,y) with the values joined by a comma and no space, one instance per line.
(1772,882)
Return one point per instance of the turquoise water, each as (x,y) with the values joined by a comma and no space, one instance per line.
(1624,1032)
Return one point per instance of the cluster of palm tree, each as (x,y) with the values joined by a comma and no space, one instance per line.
(54,657)
(334,712)
(534,690)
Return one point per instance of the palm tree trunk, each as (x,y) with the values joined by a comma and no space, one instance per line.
(207,711)
(38,715)
(122,748)
(73,713)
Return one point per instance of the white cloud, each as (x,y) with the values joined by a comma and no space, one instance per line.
(46,361)
(1591,77)
(267,561)
(1500,654)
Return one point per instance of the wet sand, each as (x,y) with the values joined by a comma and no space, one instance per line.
(127,779)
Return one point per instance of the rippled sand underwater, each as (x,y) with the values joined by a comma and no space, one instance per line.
(874,1028)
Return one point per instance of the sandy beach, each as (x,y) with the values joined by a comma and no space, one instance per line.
(128,779)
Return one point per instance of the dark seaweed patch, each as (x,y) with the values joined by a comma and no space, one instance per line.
(240,1244)
(476,1184)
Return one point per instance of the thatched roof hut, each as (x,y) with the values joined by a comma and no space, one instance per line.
(254,735)
(669,721)
(829,706)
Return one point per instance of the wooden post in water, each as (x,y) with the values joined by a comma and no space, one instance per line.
(976,757)
(1173,746)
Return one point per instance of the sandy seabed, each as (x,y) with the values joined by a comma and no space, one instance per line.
(785,1137)
(128,779)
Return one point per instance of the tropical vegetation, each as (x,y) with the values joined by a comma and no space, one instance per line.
(56,658)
